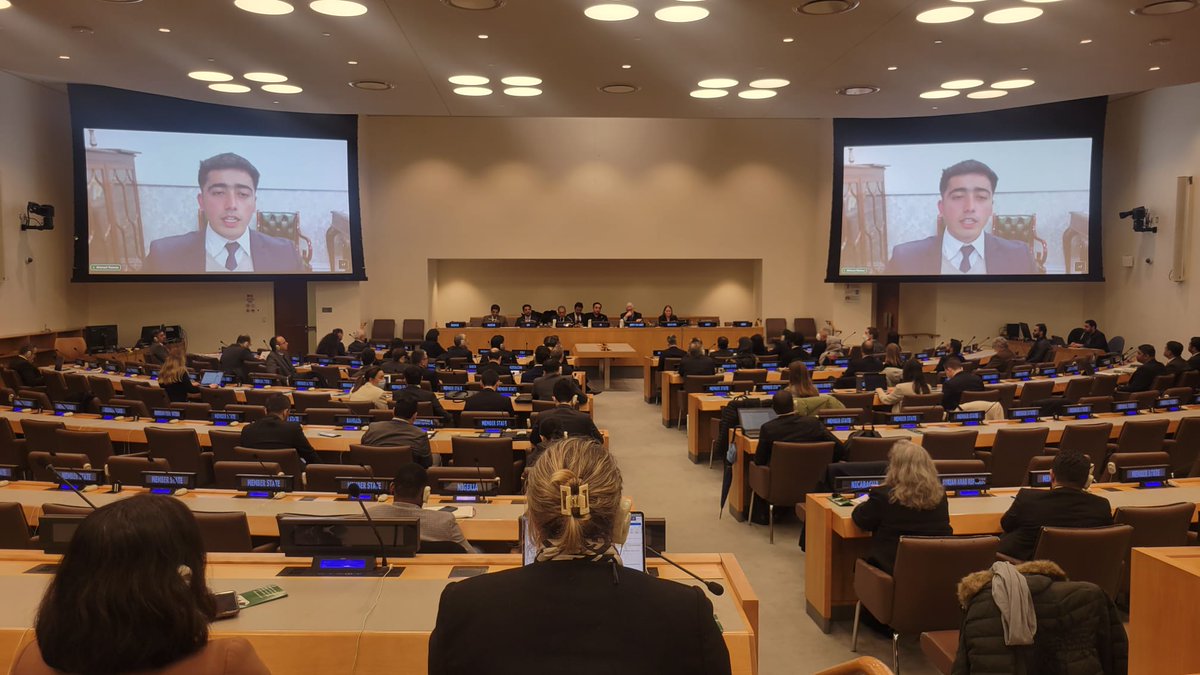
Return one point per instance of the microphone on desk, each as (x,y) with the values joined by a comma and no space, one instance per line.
(263,464)
(70,485)
(712,586)
(969,342)
(479,473)
(354,492)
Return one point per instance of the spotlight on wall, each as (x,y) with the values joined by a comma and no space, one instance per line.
(1139,214)
(37,217)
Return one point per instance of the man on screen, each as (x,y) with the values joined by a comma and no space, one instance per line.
(967,189)
(228,199)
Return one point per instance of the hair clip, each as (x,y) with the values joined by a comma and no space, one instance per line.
(573,501)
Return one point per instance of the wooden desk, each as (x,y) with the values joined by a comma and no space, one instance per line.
(605,353)
(1164,611)
(643,340)
(672,380)
(325,626)
(833,542)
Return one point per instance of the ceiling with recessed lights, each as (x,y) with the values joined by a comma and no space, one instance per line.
(602,58)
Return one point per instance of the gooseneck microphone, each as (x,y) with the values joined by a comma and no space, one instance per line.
(71,485)
(713,587)
(479,473)
(354,492)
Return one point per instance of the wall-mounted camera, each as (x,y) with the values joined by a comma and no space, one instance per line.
(37,217)
(1140,215)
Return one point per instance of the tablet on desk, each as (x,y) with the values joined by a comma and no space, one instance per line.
(210,378)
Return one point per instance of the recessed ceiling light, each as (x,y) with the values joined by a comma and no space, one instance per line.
(1043,2)
(210,76)
(474,5)
(857,90)
(619,88)
(709,93)
(1013,15)
(944,14)
(123,2)
(626,66)
(893,67)
(1024,68)
(265,77)
(272,7)
(1164,7)
(371,85)
(1086,41)
(1012,84)
(610,12)
(481,36)
(468,80)
(826,7)
(521,81)
(164,30)
(717,83)
(789,39)
(64,57)
(523,91)
(338,7)
(961,84)
(473,91)
(757,93)
(82,30)
(987,93)
(939,93)
(769,83)
(282,88)
(681,13)
(229,88)
(5,4)
(1151,67)
(966,0)
(1160,42)
(326,34)
(937,42)
(352,63)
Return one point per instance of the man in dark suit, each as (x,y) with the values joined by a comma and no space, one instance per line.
(958,382)
(537,368)
(1092,337)
(577,317)
(955,351)
(1143,378)
(596,316)
(274,432)
(496,317)
(497,344)
(235,357)
(331,345)
(421,361)
(1002,360)
(789,427)
(26,370)
(156,352)
(228,198)
(528,316)
(864,363)
(1042,349)
(543,387)
(722,351)
(1066,504)
(491,364)
(965,213)
(1175,363)
(279,362)
(630,315)
(460,350)
(1194,350)
(671,352)
(412,377)
(696,362)
(563,420)
(488,399)
(400,430)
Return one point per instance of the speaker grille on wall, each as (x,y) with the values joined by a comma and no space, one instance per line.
(1184,215)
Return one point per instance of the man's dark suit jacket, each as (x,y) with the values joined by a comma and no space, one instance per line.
(1094,341)
(500,370)
(428,396)
(532,374)
(941,364)
(432,377)
(887,521)
(1032,510)
(637,316)
(233,361)
(697,365)
(272,433)
(924,256)
(592,318)
(185,254)
(671,352)
(156,354)
(400,432)
(953,390)
(543,387)
(457,353)
(533,316)
(793,428)
(868,364)
(721,353)
(818,348)
(577,318)
(488,400)
(564,418)
(331,346)
(1143,378)
(1194,362)
(279,363)
(28,373)
(1178,366)
(1040,352)
(433,349)
(1001,361)
(634,624)
(501,321)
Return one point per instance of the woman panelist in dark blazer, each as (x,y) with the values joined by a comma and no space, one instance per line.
(576,609)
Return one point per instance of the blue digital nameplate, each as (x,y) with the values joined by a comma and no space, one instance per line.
(110,412)
(856,484)
(25,405)
(428,423)
(261,382)
(742,324)
(1040,479)
(770,387)
(223,418)
(298,418)
(368,488)
(1080,411)
(64,407)
(264,486)
(456,324)
(771,366)
(1048,372)
(965,484)
(707,324)
(1168,404)
(295,360)
(165,415)
(346,386)
(515,368)
(811,365)
(841,363)
(729,367)
(78,477)
(823,387)
(352,422)
(305,384)
(471,368)
(967,418)
(324,361)
(1071,369)
(9,472)
(1024,414)
(450,388)
(492,424)
(905,420)
(508,389)
(1126,407)
(491,324)
(355,363)
(167,482)
(990,378)
(1146,476)
(718,389)
(840,422)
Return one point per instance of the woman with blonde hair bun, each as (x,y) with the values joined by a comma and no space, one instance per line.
(576,607)
(911,501)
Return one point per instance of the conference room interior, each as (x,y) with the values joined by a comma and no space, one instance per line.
(725,207)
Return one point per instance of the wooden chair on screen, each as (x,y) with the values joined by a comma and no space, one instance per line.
(1022,228)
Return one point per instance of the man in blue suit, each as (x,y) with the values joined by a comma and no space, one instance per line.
(228,199)
(967,190)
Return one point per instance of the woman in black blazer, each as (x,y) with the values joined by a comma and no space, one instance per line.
(911,501)
(576,609)
(174,378)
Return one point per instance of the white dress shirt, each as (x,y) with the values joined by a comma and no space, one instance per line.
(214,244)
(952,254)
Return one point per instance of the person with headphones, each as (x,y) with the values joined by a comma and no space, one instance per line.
(410,491)
(131,596)
(1066,504)
(576,605)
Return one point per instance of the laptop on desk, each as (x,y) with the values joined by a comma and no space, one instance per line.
(752,419)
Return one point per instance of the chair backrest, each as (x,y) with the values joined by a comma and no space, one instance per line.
(383,330)
(436,473)
(180,447)
(12,450)
(796,470)
(196,411)
(77,384)
(950,444)
(1104,385)
(774,328)
(383,460)
(303,400)
(1034,391)
(1121,460)
(14,532)
(1091,439)
(359,407)
(539,405)
(1184,448)
(926,576)
(1008,393)
(328,375)
(863,449)
(127,469)
(1189,379)
(1143,435)
(224,532)
(56,385)
(222,444)
(39,434)
(1163,381)
(1095,554)
(250,413)
(693,384)
(11,379)
(949,466)
(218,398)
(922,400)
(863,401)
(95,444)
(41,399)
(323,477)
(1100,404)
(137,408)
(750,374)
(985,395)
(259,396)
(40,462)
(929,413)
(1011,452)
(806,326)
(66,510)
(412,329)
(153,397)
(1077,388)
(466,418)
(1165,525)
(496,453)
(324,415)
(227,472)
(287,458)
(1116,344)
